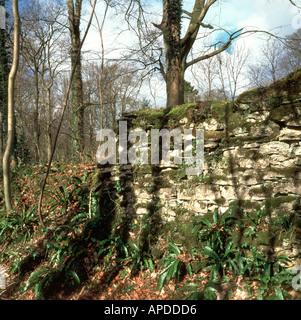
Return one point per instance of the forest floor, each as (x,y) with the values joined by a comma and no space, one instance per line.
(27,183)
(32,255)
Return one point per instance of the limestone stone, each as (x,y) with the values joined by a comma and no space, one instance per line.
(198,206)
(275,147)
(207,192)
(248,180)
(167,193)
(252,145)
(172,203)
(271,176)
(231,153)
(212,208)
(290,134)
(287,207)
(169,213)
(212,125)
(183,121)
(228,192)
(297,151)
(296,252)
(223,209)
(210,144)
(225,182)
(243,106)
(183,195)
(294,123)
(257,116)
(281,160)
(252,164)
(290,188)
(263,129)
(244,163)
(141,211)
(116,178)
(141,194)
(240,132)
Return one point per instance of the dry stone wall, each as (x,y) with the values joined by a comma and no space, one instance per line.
(252,163)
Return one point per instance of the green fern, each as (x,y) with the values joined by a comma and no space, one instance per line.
(173,266)
(38,280)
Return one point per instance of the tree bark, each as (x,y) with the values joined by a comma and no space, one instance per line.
(36,124)
(100,30)
(4,72)
(177,49)
(10,115)
(171,28)
(49,122)
(74,14)
(1,135)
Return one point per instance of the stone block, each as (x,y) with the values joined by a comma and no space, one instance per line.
(275,147)
(290,134)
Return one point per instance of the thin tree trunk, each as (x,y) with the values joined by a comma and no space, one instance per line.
(49,121)
(209,84)
(1,136)
(36,131)
(114,120)
(4,72)
(91,122)
(100,29)
(10,115)
(74,14)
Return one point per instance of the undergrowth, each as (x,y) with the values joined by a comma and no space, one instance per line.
(77,253)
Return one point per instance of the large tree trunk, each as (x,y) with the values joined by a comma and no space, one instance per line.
(177,49)
(10,115)
(173,80)
(171,28)
(74,13)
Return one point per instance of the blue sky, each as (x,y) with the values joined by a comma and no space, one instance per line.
(267,14)
(276,16)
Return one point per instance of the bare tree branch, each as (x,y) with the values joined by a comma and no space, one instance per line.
(199,12)
(100,30)
(224,47)
(293,3)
